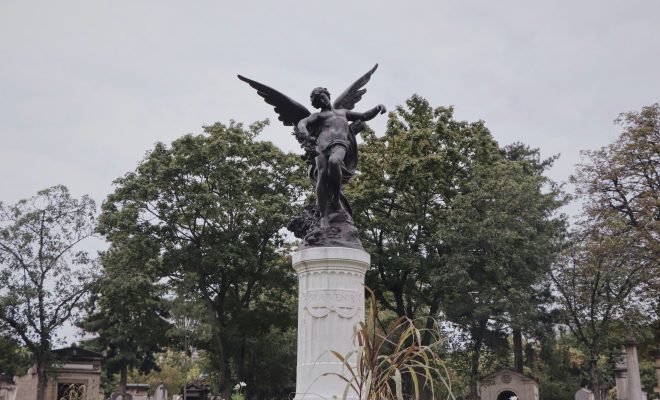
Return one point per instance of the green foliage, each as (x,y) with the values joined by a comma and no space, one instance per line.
(216,204)
(457,225)
(175,370)
(128,312)
(14,359)
(387,359)
(43,276)
(402,197)
(621,182)
(608,279)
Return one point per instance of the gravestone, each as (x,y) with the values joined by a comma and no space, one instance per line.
(121,396)
(632,364)
(139,391)
(160,393)
(584,394)
(621,377)
(7,387)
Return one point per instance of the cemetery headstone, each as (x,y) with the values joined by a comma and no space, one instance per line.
(160,393)
(584,394)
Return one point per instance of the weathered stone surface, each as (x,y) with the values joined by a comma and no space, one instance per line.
(330,307)
(584,394)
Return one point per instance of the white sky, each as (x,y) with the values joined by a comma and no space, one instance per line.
(87,87)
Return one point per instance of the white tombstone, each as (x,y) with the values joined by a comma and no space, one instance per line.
(121,396)
(584,394)
(330,308)
(160,393)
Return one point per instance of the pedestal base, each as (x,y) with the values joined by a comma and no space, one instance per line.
(330,308)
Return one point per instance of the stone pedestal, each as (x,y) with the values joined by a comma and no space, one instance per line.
(632,365)
(621,377)
(330,307)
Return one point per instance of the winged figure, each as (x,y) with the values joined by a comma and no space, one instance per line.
(327,136)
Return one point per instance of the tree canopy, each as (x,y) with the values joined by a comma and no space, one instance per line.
(44,278)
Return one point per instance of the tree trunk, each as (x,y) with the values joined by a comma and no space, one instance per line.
(595,381)
(42,379)
(517,350)
(123,378)
(477,337)
(223,367)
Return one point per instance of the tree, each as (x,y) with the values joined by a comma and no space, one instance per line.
(503,239)
(216,203)
(403,194)
(622,181)
(14,359)
(455,224)
(128,311)
(599,281)
(42,280)
(608,280)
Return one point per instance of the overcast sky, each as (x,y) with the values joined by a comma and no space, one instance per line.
(87,87)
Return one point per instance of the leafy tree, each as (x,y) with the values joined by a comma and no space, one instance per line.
(608,280)
(128,312)
(455,224)
(42,281)
(600,283)
(502,243)
(622,181)
(408,181)
(14,359)
(216,203)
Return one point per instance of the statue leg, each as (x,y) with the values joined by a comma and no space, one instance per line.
(335,162)
(322,196)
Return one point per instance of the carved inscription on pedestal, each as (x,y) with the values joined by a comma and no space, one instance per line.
(321,302)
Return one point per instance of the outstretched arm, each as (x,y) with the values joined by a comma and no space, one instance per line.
(367,115)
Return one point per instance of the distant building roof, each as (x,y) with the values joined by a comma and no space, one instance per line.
(75,353)
(510,372)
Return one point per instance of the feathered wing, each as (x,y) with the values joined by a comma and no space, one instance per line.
(289,111)
(354,93)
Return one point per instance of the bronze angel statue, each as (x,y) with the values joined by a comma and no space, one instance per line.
(328,138)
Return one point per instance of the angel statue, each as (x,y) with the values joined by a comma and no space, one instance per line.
(328,138)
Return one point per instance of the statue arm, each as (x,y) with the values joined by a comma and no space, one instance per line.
(367,115)
(303,123)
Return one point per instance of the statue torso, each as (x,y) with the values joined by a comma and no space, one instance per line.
(332,129)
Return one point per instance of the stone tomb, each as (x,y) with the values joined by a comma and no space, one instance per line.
(138,391)
(584,394)
(160,393)
(76,372)
(507,384)
(7,387)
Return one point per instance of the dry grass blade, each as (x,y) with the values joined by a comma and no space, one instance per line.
(390,361)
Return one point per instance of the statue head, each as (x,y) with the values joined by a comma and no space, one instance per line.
(318,100)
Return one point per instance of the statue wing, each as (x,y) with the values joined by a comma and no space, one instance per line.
(289,111)
(354,92)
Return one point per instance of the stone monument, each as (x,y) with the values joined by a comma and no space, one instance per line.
(507,384)
(584,394)
(621,377)
(160,393)
(74,372)
(330,263)
(7,387)
(632,365)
